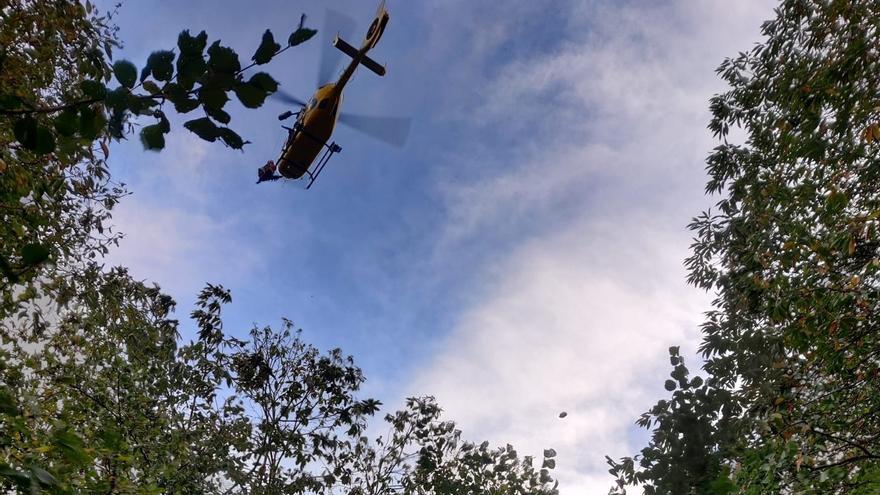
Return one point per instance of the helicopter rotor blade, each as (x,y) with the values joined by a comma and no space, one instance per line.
(334,22)
(286,97)
(391,130)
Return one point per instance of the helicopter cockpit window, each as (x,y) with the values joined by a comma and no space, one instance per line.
(324,103)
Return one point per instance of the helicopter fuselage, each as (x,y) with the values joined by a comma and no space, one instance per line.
(313,129)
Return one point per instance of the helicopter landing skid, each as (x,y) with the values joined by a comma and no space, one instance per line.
(329,151)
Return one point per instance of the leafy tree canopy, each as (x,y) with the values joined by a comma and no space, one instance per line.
(790,403)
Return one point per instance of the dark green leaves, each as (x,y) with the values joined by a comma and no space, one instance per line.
(93,89)
(43,476)
(160,64)
(207,130)
(222,59)
(253,93)
(218,114)
(34,136)
(202,127)
(152,137)
(192,45)
(300,36)
(230,138)
(34,254)
(213,98)
(249,95)
(91,122)
(191,62)
(264,81)
(125,72)
(267,49)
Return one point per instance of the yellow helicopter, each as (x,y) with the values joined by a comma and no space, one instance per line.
(310,134)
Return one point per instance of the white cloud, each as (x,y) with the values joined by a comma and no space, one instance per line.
(173,234)
(579,314)
(180,249)
(577,322)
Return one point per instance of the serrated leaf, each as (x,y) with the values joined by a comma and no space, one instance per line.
(222,59)
(267,49)
(125,72)
(161,64)
(192,45)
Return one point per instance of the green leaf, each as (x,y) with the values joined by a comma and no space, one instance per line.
(7,403)
(93,89)
(230,138)
(9,102)
(152,87)
(251,96)
(549,463)
(116,124)
(43,476)
(163,121)
(117,99)
(213,98)
(264,81)
(152,137)
(33,136)
(161,64)
(669,385)
(300,36)
(267,49)
(191,45)
(19,477)
(66,123)
(222,59)
(34,254)
(204,128)
(125,72)
(90,122)
(70,445)
(191,62)
(189,69)
(218,114)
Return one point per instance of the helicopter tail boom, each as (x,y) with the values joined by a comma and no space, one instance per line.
(358,55)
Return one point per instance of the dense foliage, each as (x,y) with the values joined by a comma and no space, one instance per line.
(791,399)
(98,392)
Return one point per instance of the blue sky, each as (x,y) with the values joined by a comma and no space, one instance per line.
(520,256)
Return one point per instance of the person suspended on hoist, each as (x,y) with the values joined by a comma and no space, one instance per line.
(267,172)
